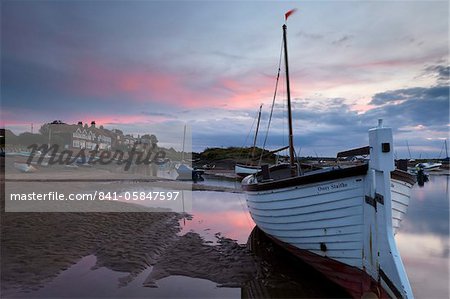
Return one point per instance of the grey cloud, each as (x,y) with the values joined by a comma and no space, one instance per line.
(415,93)
(440,72)
(307,35)
(150,113)
(426,106)
(336,127)
(228,55)
(342,40)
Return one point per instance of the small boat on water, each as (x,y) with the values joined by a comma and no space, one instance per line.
(185,171)
(244,170)
(429,166)
(24,167)
(342,219)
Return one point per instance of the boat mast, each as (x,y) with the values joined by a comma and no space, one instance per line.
(256,133)
(446,151)
(184,140)
(291,134)
(407,145)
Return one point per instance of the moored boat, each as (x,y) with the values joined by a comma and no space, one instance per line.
(429,166)
(340,219)
(185,170)
(24,167)
(244,170)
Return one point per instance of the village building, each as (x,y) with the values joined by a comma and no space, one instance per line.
(83,136)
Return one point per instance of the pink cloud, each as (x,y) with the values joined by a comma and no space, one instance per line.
(10,119)
(120,119)
(136,84)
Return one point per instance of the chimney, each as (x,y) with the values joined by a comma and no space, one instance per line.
(93,124)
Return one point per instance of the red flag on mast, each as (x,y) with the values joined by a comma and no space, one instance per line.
(286,15)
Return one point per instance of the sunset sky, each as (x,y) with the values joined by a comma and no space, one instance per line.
(210,64)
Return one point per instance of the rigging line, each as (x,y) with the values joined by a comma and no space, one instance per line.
(442,149)
(273,102)
(284,117)
(251,129)
(246,138)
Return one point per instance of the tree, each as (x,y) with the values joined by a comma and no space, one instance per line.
(151,137)
(44,129)
(117,131)
(10,137)
(28,138)
(2,138)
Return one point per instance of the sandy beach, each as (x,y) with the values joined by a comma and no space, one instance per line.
(36,247)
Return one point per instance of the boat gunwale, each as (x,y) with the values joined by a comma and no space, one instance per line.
(253,167)
(340,173)
(308,178)
(403,176)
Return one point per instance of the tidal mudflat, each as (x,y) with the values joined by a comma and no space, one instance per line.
(215,251)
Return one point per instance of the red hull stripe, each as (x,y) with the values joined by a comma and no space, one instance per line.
(355,281)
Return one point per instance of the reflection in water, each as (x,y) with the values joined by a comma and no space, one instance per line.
(422,177)
(423,239)
(38,246)
(97,283)
(219,213)
(124,252)
(429,209)
(221,182)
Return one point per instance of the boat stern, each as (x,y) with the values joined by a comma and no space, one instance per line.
(381,258)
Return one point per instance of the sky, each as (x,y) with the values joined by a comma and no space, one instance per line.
(141,66)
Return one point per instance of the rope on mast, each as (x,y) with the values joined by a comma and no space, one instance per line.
(246,139)
(273,102)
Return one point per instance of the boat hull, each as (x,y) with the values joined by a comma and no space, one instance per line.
(184,172)
(355,281)
(325,223)
(401,195)
(245,170)
(329,213)
(429,166)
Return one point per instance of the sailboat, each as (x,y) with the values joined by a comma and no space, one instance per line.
(243,170)
(429,166)
(341,220)
(184,170)
(446,160)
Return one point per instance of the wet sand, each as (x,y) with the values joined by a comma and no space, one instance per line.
(36,247)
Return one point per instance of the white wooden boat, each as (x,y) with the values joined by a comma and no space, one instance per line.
(244,170)
(401,185)
(341,220)
(184,171)
(429,166)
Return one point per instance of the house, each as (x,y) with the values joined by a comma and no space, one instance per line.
(90,138)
